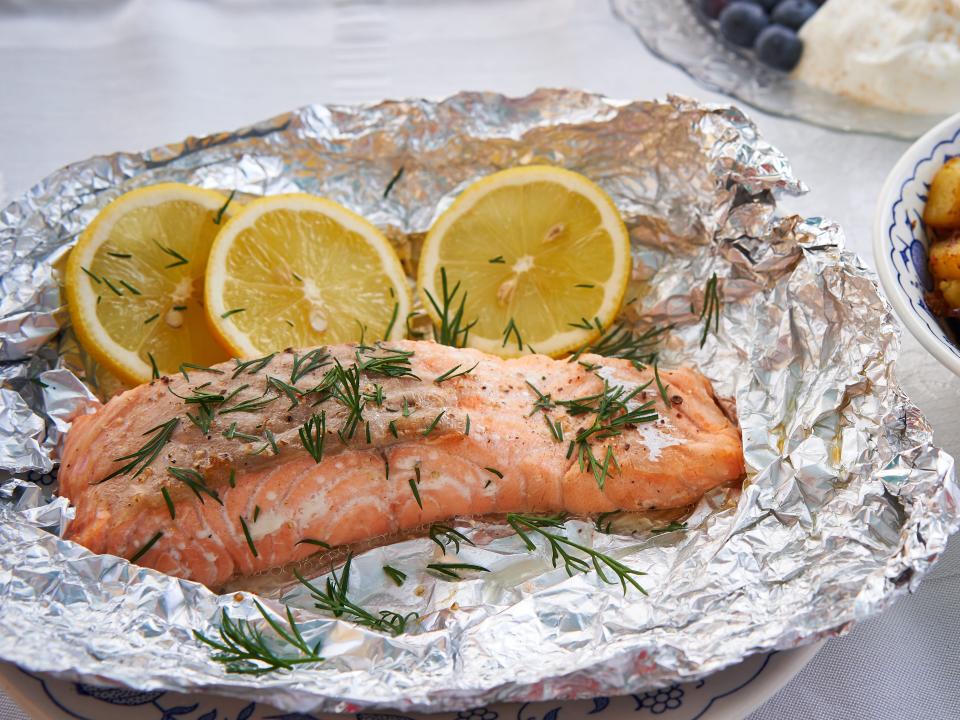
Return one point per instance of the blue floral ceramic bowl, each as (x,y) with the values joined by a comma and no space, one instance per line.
(900,239)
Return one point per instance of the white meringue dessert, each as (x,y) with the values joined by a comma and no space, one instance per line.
(903,55)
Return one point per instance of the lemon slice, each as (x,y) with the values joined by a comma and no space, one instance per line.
(297,270)
(134,282)
(541,254)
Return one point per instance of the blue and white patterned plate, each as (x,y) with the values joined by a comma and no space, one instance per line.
(900,239)
(732,693)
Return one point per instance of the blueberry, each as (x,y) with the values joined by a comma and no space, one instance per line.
(741,22)
(793,13)
(713,8)
(767,5)
(779,47)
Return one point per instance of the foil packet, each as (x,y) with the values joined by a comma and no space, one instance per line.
(846,505)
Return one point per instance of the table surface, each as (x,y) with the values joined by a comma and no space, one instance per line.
(84,77)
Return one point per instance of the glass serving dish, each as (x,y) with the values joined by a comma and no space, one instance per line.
(677,32)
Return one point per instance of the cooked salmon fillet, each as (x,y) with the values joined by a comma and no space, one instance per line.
(441,432)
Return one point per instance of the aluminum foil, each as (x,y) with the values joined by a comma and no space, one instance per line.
(846,504)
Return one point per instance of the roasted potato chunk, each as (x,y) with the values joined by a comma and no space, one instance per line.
(945,259)
(950,290)
(943,202)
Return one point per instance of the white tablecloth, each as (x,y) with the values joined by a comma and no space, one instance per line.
(81,77)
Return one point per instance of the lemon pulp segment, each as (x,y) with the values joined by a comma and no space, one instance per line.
(296,271)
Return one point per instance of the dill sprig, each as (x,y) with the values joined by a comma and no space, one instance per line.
(453,373)
(450,569)
(196,482)
(345,389)
(250,405)
(512,329)
(621,342)
(433,424)
(203,368)
(252,367)
(586,459)
(203,419)
(376,397)
(584,324)
(393,181)
(312,435)
(660,386)
(219,216)
(146,547)
(179,259)
(498,260)
(334,600)
(305,365)
(610,407)
(232,433)
(245,650)
(440,533)
(611,415)
(248,536)
(543,402)
(293,395)
(169,503)
(556,429)
(710,310)
(112,286)
(452,330)
(393,320)
(271,442)
(398,576)
(318,543)
(154,370)
(416,490)
(561,545)
(233,393)
(146,454)
(130,287)
(199,396)
(395,363)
